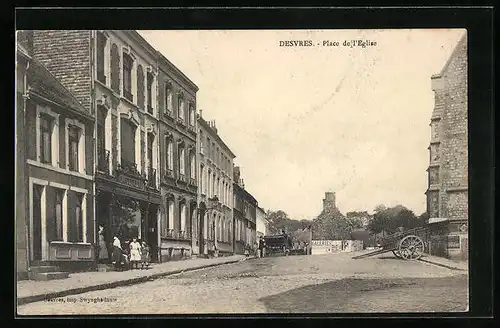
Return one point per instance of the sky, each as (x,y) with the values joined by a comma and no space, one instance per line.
(306,120)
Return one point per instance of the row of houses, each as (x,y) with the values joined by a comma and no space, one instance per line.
(109,140)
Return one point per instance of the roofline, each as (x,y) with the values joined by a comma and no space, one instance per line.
(62,106)
(36,62)
(147,46)
(246,192)
(20,50)
(162,60)
(455,50)
(204,123)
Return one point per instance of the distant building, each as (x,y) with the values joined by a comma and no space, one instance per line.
(244,214)
(262,223)
(447,191)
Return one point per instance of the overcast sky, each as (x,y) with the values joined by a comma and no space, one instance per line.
(305,120)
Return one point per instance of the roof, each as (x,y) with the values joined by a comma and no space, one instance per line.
(244,192)
(214,134)
(43,83)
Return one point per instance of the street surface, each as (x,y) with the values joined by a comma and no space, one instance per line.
(330,283)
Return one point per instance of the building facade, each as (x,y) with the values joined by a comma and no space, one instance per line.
(244,215)
(177,140)
(262,224)
(59,161)
(215,191)
(447,193)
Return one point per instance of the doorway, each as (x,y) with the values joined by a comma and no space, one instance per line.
(152,233)
(37,222)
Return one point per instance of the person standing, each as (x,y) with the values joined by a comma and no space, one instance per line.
(262,250)
(145,257)
(103,250)
(135,253)
(117,251)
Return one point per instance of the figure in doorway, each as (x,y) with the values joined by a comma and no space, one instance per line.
(103,250)
(135,253)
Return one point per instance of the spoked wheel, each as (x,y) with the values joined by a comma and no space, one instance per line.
(411,247)
(397,254)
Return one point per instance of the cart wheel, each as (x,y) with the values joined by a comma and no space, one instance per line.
(411,247)
(397,254)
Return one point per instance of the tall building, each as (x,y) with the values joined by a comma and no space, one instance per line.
(215,191)
(447,192)
(177,140)
(111,96)
(244,214)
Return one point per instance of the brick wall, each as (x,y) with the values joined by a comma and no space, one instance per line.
(66,54)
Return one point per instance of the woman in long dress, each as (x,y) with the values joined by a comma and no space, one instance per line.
(103,250)
(117,251)
(135,253)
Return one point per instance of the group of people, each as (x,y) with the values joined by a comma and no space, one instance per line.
(130,254)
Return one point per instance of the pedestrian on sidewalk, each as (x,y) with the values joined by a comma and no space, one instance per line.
(117,251)
(262,250)
(145,256)
(135,253)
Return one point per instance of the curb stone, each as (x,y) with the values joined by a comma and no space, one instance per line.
(114,284)
(442,265)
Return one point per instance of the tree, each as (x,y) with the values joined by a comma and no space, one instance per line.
(392,218)
(124,215)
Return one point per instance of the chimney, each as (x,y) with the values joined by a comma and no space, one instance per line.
(201,113)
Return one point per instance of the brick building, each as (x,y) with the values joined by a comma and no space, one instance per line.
(58,165)
(447,193)
(215,192)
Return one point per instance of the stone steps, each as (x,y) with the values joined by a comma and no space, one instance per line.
(45,272)
(45,276)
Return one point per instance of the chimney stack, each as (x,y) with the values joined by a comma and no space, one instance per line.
(201,113)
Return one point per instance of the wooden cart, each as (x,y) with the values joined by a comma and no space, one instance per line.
(408,245)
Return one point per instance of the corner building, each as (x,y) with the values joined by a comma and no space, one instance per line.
(447,193)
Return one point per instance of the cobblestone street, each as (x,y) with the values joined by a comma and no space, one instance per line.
(321,283)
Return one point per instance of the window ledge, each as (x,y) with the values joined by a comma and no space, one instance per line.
(131,103)
(60,170)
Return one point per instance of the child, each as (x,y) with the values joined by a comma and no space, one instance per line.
(145,257)
(135,253)
(247,250)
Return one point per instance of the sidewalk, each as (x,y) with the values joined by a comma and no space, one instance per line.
(444,262)
(33,291)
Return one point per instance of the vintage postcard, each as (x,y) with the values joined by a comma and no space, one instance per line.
(241,171)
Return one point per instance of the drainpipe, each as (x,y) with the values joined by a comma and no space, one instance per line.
(93,108)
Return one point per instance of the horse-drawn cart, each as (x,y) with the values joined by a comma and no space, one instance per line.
(408,245)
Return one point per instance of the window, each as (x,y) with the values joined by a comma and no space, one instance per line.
(73,142)
(182,164)
(181,108)
(127,135)
(140,87)
(192,166)
(150,151)
(168,99)
(127,77)
(150,92)
(58,211)
(202,176)
(170,214)
(46,126)
(76,228)
(183,217)
(170,155)
(101,47)
(191,114)
(208,147)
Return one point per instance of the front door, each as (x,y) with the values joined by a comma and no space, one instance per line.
(152,234)
(201,228)
(37,223)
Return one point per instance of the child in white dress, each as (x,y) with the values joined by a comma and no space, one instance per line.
(135,253)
